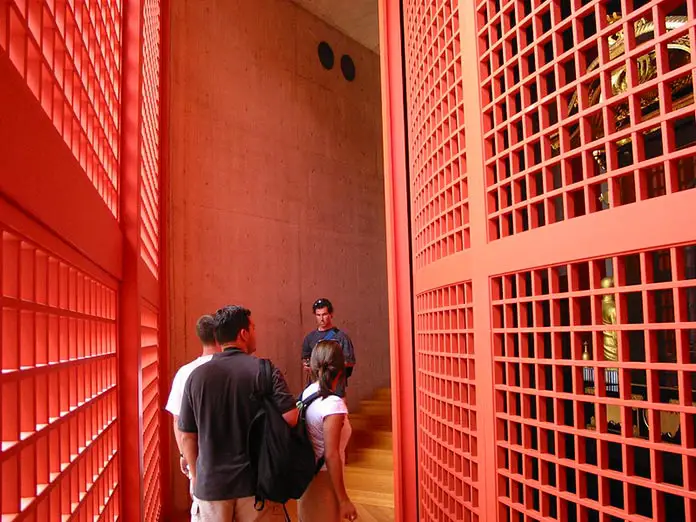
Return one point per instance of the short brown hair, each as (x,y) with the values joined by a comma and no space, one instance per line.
(205,330)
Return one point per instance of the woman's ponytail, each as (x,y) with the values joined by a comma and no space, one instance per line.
(327,363)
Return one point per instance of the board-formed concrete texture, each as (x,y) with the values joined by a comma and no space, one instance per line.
(276,193)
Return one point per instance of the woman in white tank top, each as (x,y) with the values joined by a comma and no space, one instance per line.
(329,429)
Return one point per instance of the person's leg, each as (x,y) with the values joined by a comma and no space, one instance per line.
(216,510)
(319,502)
(246,511)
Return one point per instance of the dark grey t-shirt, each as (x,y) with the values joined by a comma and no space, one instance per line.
(313,337)
(219,404)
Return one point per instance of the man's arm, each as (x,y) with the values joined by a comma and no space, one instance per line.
(183,466)
(348,350)
(188,432)
(292,417)
(189,443)
(174,407)
(177,433)
(283,399)
(306,350)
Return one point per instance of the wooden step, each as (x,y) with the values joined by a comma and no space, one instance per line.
(375,408)
(366,512)
(383,394)
(372,459)
(362,479)
(370,486)
(361,421)
(371,498)
(380,439)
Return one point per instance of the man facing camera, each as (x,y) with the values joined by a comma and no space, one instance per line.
(326,331)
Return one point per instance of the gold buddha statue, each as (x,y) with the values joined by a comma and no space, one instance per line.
(681,89)
(611,352)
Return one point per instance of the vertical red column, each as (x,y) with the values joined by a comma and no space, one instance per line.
(131,428)
(479,270)
(163,323)
(398,263)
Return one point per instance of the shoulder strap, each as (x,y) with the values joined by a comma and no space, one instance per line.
(309,400)
(330,335)
(265,377)
(305,403)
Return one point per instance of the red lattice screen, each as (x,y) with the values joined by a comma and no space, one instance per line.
(76,384)
(440,217)
(69,53)
(150,138)
(436,123)
(586,431)
(151,411)
(58,402)
(578,262)
(586,106)
(446,403)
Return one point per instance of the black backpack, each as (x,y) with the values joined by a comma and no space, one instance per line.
(283,457)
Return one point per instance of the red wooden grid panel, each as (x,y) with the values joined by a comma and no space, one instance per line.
(69,53)
(593,437)
(150,136)
(58,398)
(151,412)
(440,211)
(446,405)
(587,105)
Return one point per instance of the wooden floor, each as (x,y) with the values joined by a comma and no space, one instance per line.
(369,471)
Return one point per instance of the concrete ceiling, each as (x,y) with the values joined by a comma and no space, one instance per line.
(357,19)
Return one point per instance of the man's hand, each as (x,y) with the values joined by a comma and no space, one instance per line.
(183,466)
(192,486)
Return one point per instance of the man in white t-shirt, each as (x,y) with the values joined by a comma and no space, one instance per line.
(205,331)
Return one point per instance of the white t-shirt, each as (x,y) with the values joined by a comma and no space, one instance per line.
(317,411)
(175,395)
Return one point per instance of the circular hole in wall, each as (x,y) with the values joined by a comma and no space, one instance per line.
(347,67)
(326,55)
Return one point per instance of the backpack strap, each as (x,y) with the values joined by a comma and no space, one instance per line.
(309,400)
(305,403)
(264,379)
(332,333)
(259,505)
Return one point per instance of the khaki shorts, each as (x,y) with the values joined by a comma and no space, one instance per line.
(195,511)
(238,510)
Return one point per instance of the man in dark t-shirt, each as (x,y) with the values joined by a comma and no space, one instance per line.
(217,408)
(323,313)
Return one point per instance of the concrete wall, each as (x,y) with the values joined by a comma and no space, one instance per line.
(276,193)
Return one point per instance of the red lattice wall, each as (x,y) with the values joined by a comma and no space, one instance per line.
(149,349)
(573,293)
(58,394)
(436,128)
(150,137)
(79,230)
(446,402)
(69,54)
